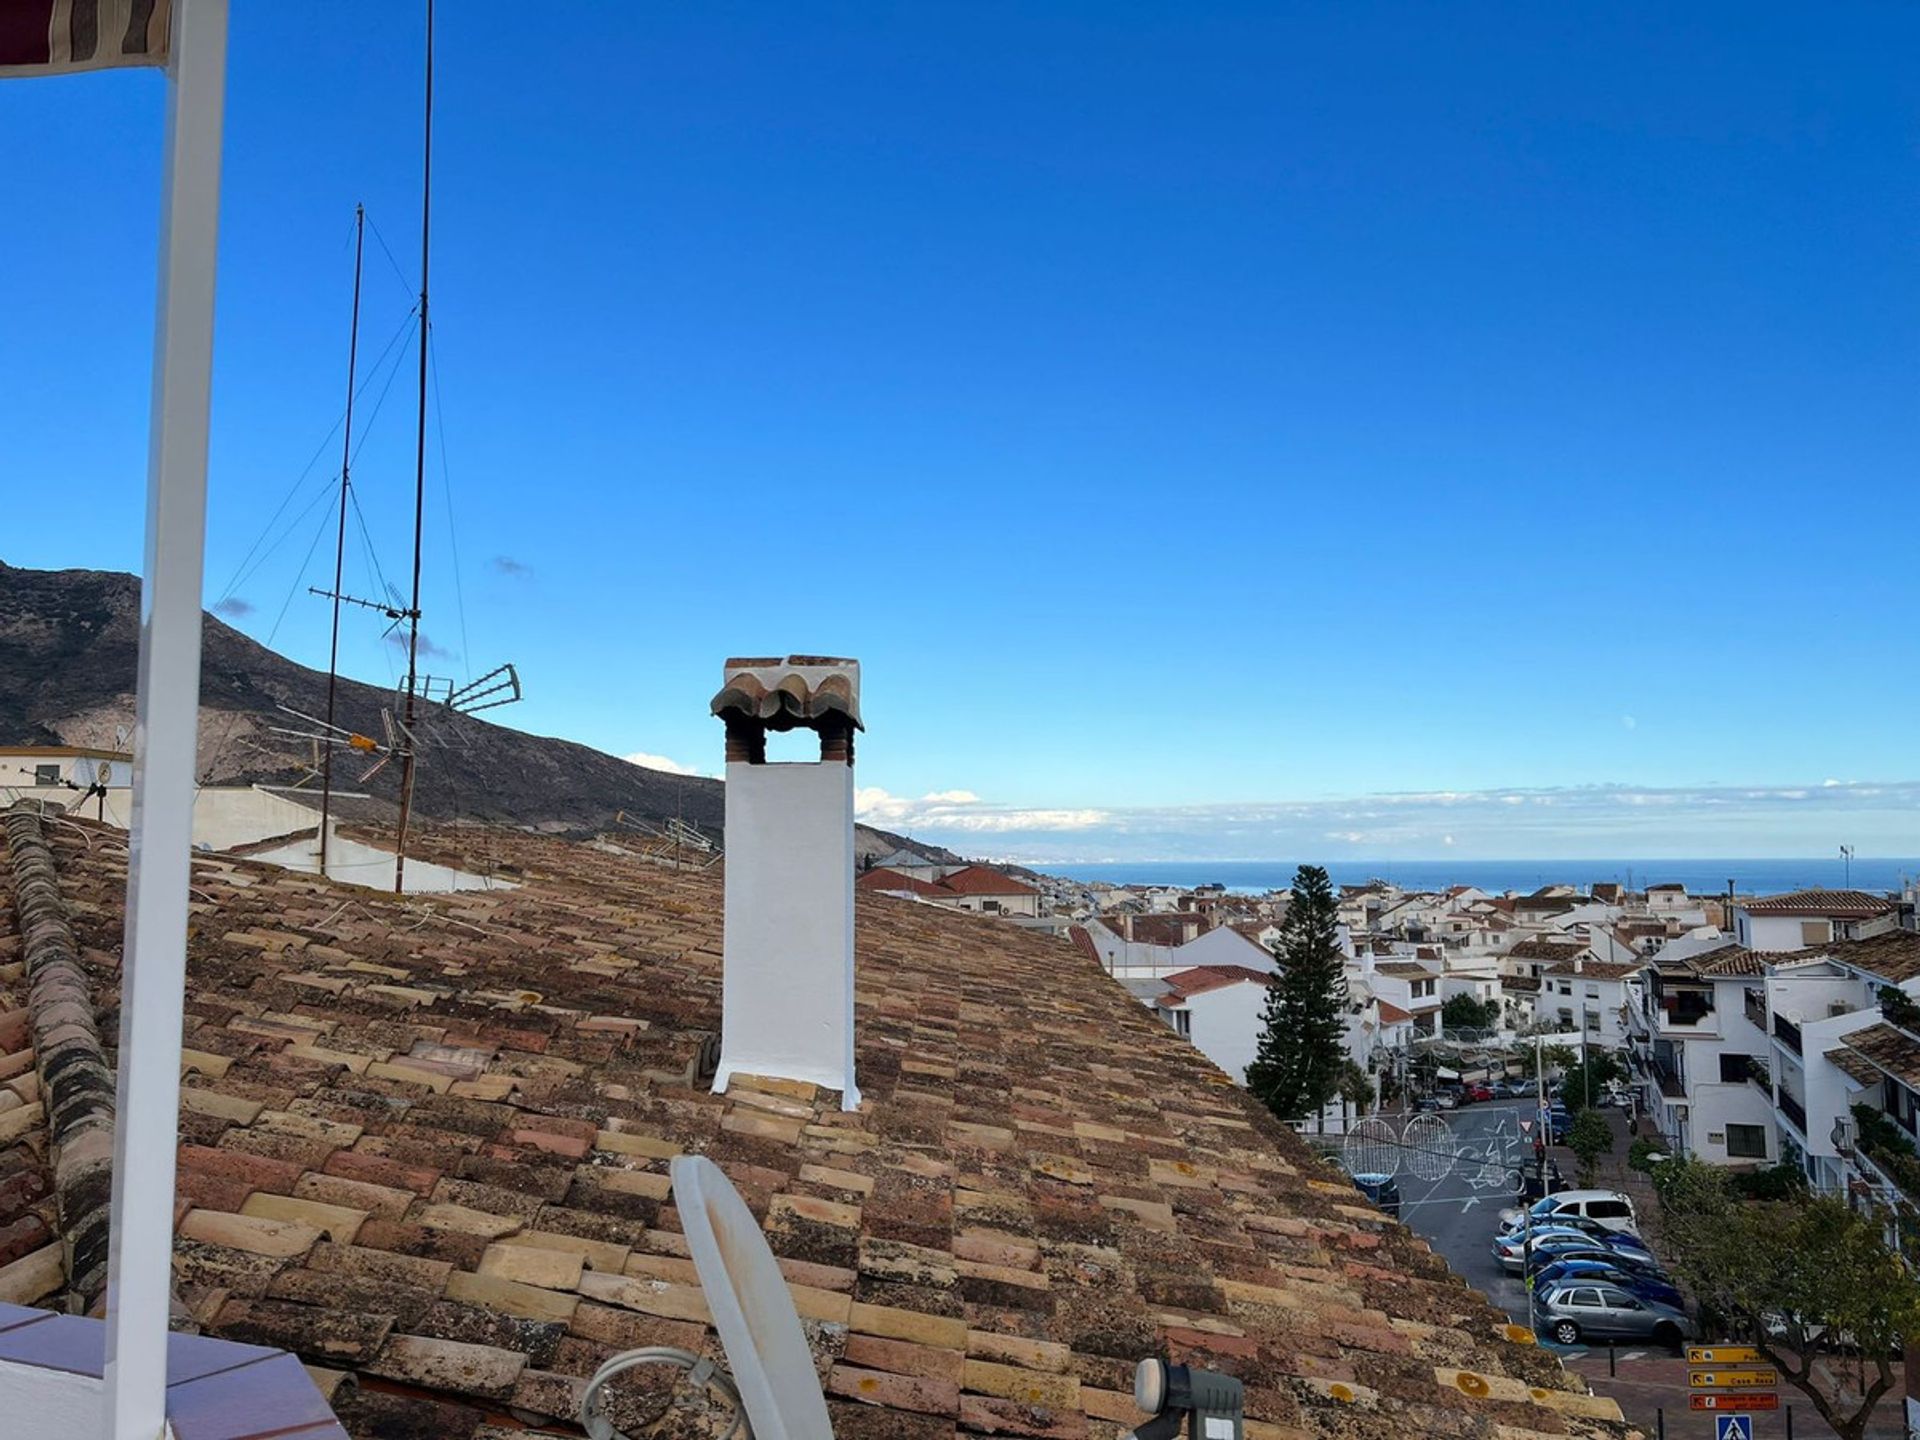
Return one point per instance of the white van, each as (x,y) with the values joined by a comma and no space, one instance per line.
(1603,1207)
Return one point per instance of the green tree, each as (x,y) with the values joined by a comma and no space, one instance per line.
(1557,1057)
(1806,1280)
(1589,1137)
(1583,1083)
(1463,1012)
(1297,1067)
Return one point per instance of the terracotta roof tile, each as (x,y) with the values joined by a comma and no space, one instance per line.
(1042,1184)
(1840,904)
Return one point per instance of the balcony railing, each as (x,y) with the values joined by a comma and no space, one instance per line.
(1760,1073)
(1787,1033)
(1792,1109)
(1757,1009)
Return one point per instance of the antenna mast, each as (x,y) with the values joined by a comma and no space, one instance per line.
(340,546)
(409,757)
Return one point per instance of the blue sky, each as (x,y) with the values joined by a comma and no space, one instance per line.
(1186,410)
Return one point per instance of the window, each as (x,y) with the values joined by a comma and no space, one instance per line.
(1815,932)
(1609,1210)
(1733,1069)
(1746,1142)
(1618,1300)
(1588,1298)
(1566,1018)
(46,774)
(1566,987)
(1593,992)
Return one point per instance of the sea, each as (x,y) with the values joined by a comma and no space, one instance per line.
(1701,877)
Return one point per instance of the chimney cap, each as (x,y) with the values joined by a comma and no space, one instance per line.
(799,692)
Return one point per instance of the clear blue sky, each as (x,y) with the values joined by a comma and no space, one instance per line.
(1172,406)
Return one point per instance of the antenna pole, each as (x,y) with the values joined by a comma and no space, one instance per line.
(409,758)
(340,545)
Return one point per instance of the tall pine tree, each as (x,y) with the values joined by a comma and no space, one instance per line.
(1297,1067)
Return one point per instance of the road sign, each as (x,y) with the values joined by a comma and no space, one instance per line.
(1733,1427)
(1526,1127)
(1759,1379)
(1724,1355)
(1759,1400)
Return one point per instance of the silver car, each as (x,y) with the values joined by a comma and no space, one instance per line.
(1577,1312)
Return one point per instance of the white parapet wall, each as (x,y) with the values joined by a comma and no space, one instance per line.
(787,988)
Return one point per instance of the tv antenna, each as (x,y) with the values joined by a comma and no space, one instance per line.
(1846,854)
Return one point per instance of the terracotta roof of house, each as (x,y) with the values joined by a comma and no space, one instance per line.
(1893,955)
(1392,1014)
(1539,949)
(1083,941)
(1856,1066)
(1202,978)
(1727,960)
(424,1141)
(982,880)
(886,881)
(1404,970)
(1837,904)
(1164,929)
(1889,1050)
(1522,983)
(1667,887)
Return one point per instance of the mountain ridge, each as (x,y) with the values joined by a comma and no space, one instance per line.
(69,651)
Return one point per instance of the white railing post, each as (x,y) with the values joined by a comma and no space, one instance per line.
(153,969)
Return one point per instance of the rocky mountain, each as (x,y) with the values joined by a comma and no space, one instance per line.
(69,645)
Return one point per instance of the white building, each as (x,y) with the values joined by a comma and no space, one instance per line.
(1700,1048)
(1806,918)
(1587,995)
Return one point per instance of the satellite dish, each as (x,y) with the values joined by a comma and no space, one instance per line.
(773,1387)
(747,1295)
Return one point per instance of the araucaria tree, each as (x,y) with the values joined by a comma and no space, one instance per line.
(1298,1066)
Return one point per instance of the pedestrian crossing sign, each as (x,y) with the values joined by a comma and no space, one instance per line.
(1733,1427)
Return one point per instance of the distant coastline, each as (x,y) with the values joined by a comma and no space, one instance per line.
(1750,877)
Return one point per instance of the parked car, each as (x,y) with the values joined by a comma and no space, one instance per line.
(1477,1093)
(1425,1104)
(1580,1225)
(1637,1283)
(1572,1313)
(1446,1100)
(1517,1089)
(1609,1207)
(1553,1253)
(1527,1188)
(1381,1190)
(1509,1246)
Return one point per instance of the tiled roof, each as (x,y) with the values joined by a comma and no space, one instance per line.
(1404,970)
(1392,1014)
(981,880)
(1893,955)
(1838,904)
(1537,949)
(1889,1050)
(1855,1065)
(1083,941)
(426,1140)
(884,881)
(1728,960)
(1529,984)
(1202,978)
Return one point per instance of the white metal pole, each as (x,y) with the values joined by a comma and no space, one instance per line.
(153,969)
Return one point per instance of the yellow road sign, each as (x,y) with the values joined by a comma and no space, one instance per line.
(1764,1379)
(1724,1355)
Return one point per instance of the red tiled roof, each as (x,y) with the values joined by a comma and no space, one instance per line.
(1083,938)
(424,1140)
(980,880)
(895,882)
(1392,1014)
(1202,978)
(1836,904)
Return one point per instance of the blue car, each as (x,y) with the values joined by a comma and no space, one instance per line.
(1629,1260)
(1637,1283)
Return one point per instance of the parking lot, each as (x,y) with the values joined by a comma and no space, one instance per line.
(1458,1214)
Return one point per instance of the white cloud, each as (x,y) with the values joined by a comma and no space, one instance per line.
(962,812)
(660,762)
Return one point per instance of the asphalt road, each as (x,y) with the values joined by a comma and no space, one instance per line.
(1458,1212)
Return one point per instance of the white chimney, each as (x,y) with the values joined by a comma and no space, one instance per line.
(787,983)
